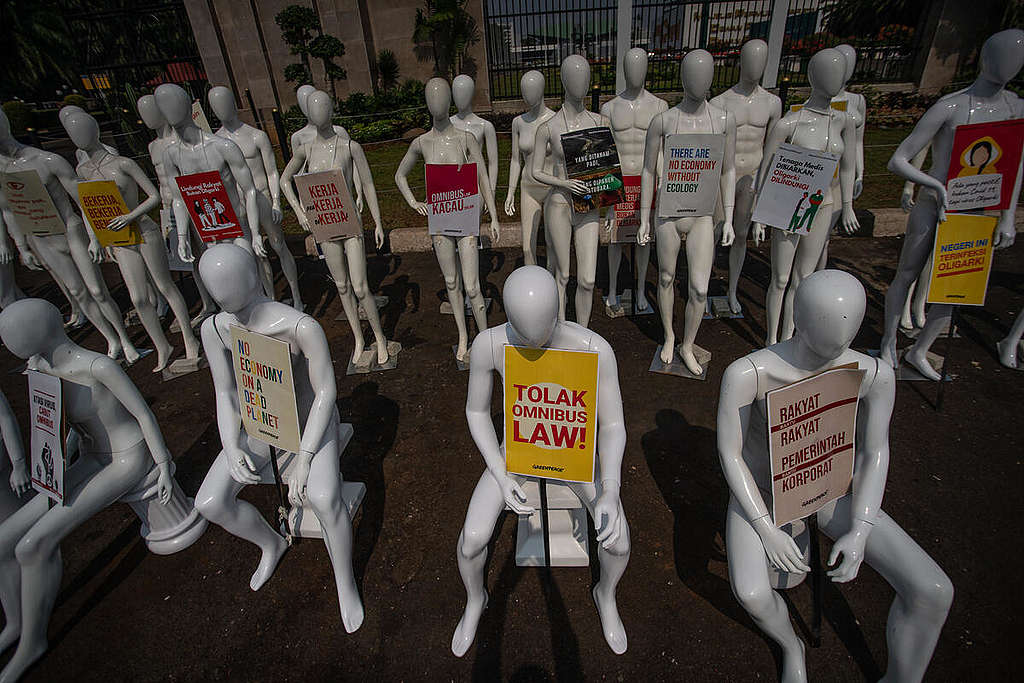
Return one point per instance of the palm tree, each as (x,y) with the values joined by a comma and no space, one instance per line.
(387,69)
(449,29)
(33,46)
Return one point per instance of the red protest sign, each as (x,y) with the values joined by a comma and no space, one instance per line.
(209,206)
(983,165)
(454,200)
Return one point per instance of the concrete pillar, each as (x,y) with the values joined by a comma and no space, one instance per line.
(623,40)
(776,34)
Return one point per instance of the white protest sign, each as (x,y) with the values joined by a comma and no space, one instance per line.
(266,389)
(794,188)
(47,440)
(692,171)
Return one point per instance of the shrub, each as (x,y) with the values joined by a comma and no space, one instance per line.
(74,100)
(19,114)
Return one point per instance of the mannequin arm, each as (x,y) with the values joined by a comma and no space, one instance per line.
(913,144)
(270,166)
(229,416)
(1006,230)
(340,130)
(11,433)
(243,178)
(611,429)
(182,220)
(402,179)
(152,199)
(847,173)
(5,244)
(478,405)
(907,200)
(728,178)
(777,135)
(491,141)
(361,169)
(313,344)
(293,166)
(73,220)
(861,125)
(649,177)
(484,184)
(514,167)
(539,174)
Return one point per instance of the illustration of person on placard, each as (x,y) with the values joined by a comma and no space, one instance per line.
(815,201)
(980,158)
(204,217)
(794,222)
(47,470)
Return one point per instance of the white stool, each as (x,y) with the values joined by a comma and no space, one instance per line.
(165,528)
(567,528)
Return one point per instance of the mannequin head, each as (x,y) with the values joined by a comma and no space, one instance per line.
(302,94)
(82,129)
(531,304)
(439,98)
(1002,56)
(174,104)
(320,108)
(230,274)
(851,60)
(463,89)
(575,77)
(67,111)
(697,71)
(150,113)
(634,67)
(222,102)
(531,85)
(826,71)
(828,310)
(753,59)
(31,326)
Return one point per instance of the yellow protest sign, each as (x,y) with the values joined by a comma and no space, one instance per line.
(101,202)
(266,389)
(550,413)
(837,105)
(962,260)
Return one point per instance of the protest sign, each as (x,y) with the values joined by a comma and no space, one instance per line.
(454,199)
(325,198)
(199,116)
(31,204)
(811,429)
(692,171)
(983,165)
(101,201)
(962,260)
(794,188)
(46,417)
(627,212)
(837,105)
(209,206)
(591,156)
(550,413)
(266,389)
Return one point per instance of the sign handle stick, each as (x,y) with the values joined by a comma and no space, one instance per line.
(544,521)
(282,508)
(945,359)
(817,584)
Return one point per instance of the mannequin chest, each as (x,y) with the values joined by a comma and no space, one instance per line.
(445,148)
(636,115)
(473,125)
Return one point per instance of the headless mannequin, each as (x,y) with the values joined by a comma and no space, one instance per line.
(756,110)
(75,255)
(630,114)
(346,259)
(259,155)
(693,114)
(818,127)
(463,89)
(138,263)
(446,144)
(531,193)
(829,312)
(232,276)
(303,135)
(531,302)
(563,225)
(1002,57)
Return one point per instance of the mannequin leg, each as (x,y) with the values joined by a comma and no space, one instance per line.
(9,290)
(667,244)
(275,236)
(924,593)
(558,222)
(1009,344)
(217,500)
(11,531)
(748,577)
(355,256)
(209,305)
(445,250)
(643,260)
(700,256)
(133,270)
(738,250)
(586,237)
(469,262)
(337,265)
(614,261)
(938,317)
(784,247)
(920,296)
(485,506)
(77,317)
(906,318)
(822,263)
(159,271)
(266,276)
(808,250)
(530,213)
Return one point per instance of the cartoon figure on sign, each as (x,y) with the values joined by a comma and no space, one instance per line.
(204,219)
(808,217)
(222,220)
(47,474)
(980,158)
(794,222)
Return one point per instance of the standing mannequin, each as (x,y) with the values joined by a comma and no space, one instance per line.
(446,144)
(231,274)
(308,132)
(819,127)
(630,114)
(74,256)
(138,263)
(563,225)
(532,302)
(259,155)
(914,309)
(1002,57)
(756,110)
(463,89)
(829,312)
(346,259)
(693,114)
(9,290)
(531,193)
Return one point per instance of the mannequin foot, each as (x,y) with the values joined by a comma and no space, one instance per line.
(351,608)
(382,352)
(268,563)
(887,351)
(24,657)
(794,666)
(611,624)
(906,322)
(205,313)
(734,304)
(465,632)
(919,362)
(113,350)
(131,354)
(612,301)
(668,349)
(75,321)
(1007,353)
(462,352)
(690,361)
(163,357)
(9,636)
(642,304)
(357,351)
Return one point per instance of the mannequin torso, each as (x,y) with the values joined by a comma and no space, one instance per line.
(753,113)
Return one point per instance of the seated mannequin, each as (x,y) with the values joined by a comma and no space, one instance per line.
(829,309)
(531,302)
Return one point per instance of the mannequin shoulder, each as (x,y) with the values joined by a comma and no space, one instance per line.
(214,329)
(1016,104)
(740,377)
(341,132)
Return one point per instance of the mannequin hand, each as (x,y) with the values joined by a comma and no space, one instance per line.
(510,205)
(907,200)
(758,234)
(276,215)
(118,222)
(728,234)
(514,495)
(780,548)
(607,509)
(298,478)
(303,220)
(609,221)
(849,221)
(258,246)
(1006,233)
(185,250)
(576,187)
(940,190)
(20,480)
(851,546)
(378,237)
(165,483)
(643,235)
(858,187)
(495,229)
(95,250)
(29,260)
(6,256)
(422,208)
(242,468)
(484,211)
(359,203)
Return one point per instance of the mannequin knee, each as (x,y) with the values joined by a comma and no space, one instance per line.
(621,545)
(931,596)
(758,602)
(33,549)
(699,293)
(360,290)
(343,287)
(473,290)
(779,281)
(139,298)
(666,280)
(211,507)
(277,242)
(325,501)
(585,282)
(472,543)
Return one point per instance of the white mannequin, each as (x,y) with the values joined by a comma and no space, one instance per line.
(259,155)
(756,110)
(630,114)
(234,283)
(563,226)
(308,132)
(815,126)
(531,193)
(1010,346)
(74,256)
(1002,57)
(63,115)
(532,302)
(20,482)
(120,442)
(138,263)
(693,114)
(914,309)
(9,290)
(463,89)
(446,144)
(346,259)
(829,312)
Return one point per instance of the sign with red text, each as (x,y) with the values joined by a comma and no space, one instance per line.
(550,413)
(101,201)
(592,158)
(266,389)
(31,204)
(453,196)
(328,205)
(47,441)
(811,429)
(794,188)
(690,179)
(627,212)
(209,206)
(962,260)
(199,116)
(983,165)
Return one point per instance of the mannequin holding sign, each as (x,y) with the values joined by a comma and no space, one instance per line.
(985,100)
(308,132)
(815,126)
(693,114)
(458,257)
(482,130)
(829,310)
(346,258)
(532,303)
(232,276)
(139,263)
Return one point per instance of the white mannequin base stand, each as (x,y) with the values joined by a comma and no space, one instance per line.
(625,306)
(677,367)
(567,528)
(718,306)
(446,306)
(168,528)
(368,360)
(183,366)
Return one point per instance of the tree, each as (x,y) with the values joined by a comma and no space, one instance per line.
(387,68)
(302,32)
(864,18)
(33,48)
(449,29)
